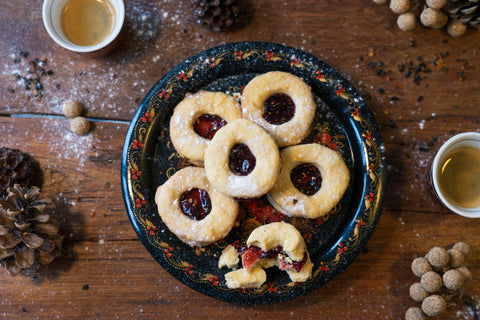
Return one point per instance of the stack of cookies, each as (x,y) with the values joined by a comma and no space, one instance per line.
(248,151)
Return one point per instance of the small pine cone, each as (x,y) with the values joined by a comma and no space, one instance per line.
(467,11)
(15,167)
(217,15)
(29,236)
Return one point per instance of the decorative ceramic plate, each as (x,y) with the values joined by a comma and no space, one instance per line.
(343,122)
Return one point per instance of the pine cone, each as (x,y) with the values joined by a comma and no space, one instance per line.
(467,11)
(216,15)
(29,236)
(15,167)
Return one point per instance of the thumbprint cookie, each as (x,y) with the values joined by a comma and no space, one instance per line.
(312,181)
(197,118)
(242,160)
(282,104)
(278,244)
(193,210)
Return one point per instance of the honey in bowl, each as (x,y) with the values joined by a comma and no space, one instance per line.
(87,22)
(459,177)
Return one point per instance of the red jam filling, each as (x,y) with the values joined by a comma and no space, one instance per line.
(195,203)
(207,125)
(306,178)
(279,108)
(241,160)
(253,253)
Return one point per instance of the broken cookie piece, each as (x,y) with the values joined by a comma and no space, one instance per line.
(276,244)
(229,258)
(243,278)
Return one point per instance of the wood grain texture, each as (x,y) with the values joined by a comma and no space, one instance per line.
(106,273)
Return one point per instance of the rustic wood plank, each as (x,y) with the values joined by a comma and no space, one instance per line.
(82,174)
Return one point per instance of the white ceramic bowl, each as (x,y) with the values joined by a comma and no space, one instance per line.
(51,12)
(467,139)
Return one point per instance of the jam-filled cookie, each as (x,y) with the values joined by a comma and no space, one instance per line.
(242,160)
(278,244)
(193,210)
(312,181)
(281,103)
(197,118)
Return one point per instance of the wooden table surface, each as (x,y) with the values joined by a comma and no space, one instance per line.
(106,273)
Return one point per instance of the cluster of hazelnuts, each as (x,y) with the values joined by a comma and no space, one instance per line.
(431,16)
(73,109)
(442,274)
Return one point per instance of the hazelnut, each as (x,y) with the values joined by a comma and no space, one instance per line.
(420,266)
(456,258)
(456,28)
(399,6)
(436,4)
(431,281)
(406,21)
(467,274)
(434,305)
(414,313)
(72,108)
(438,257)
(462,247)
(432,18)
(80,126)
(453,280)
(417,292)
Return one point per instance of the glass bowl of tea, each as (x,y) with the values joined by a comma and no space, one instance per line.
(456,174)
(83,25)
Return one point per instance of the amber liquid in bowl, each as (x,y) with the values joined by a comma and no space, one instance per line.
(87,22)
(459,177)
